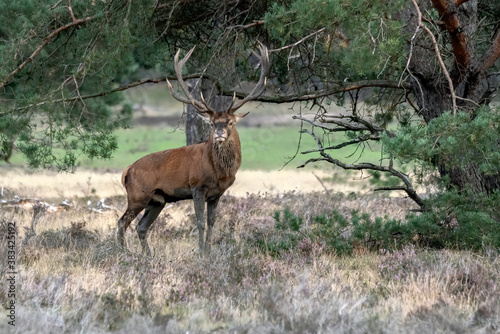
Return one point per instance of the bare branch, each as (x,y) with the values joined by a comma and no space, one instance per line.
(324,127)
(90,96)
(57,4)
(336,147)
(39,49)
(335,89)
(250,25)
(408,187)
(70,8)
(299,41)
(269,99)
(366,125)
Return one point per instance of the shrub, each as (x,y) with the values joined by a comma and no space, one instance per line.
(332,230)
(339,233)
(288,220)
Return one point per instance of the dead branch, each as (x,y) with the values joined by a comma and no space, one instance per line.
(408,187)
(345,144)
(334,89)
(321,182)
(316,124)
(90,96)
(70,8)
(299,41)
(364,125)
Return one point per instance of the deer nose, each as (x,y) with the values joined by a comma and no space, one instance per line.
(219,132)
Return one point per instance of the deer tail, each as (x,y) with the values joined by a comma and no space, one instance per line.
(125,176)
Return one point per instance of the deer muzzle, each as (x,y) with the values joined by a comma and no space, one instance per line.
(220,135)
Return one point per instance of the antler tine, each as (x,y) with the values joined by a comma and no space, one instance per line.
(206,105)
(261,85)
(178,65)
(232,102)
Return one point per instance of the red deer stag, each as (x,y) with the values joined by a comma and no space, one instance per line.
(202,172)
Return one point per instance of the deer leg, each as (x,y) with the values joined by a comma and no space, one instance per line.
(211,210)
(123,224)
(152,211)
(199,209)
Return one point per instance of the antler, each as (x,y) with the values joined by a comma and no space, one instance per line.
(261,85)
(203,106)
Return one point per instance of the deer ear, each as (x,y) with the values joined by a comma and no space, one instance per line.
(239,116)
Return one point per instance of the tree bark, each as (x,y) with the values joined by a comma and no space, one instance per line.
(197,128)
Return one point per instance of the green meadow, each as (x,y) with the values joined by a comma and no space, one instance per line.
(262,148)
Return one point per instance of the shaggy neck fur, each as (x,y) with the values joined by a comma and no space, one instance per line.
(226,157)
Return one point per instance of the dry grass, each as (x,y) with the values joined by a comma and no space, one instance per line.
(53,186)
(72,276)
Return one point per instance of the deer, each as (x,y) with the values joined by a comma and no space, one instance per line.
(201,172)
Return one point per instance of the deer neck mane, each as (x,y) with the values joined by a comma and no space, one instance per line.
(226,156)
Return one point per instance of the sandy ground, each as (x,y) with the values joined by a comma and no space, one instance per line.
(84,183)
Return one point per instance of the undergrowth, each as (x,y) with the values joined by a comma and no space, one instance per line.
(341,233)
(272,269)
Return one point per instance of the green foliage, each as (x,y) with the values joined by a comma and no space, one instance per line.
(477,217)
(339,233)
(290,221)
(87,59)
(459,142)
(455,140)
(345,45)
(330,230)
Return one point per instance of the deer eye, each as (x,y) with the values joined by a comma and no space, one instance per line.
(231,123)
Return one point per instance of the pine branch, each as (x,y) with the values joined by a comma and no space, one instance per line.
(46,41)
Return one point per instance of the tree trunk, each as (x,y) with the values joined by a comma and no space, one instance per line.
(430,85)
(197,128)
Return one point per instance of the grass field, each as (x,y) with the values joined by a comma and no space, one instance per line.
(72,277)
